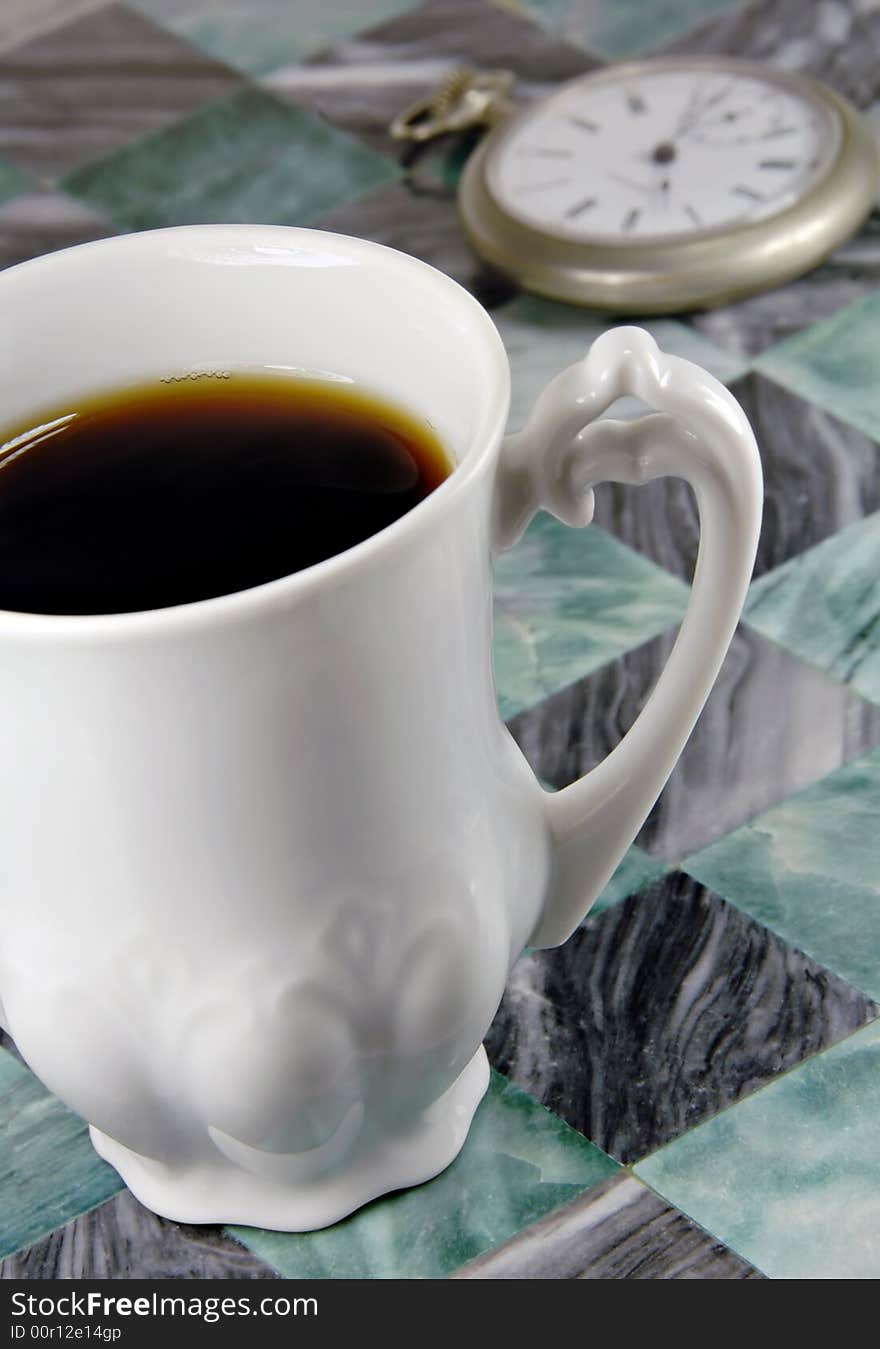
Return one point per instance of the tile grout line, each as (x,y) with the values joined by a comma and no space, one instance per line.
(248,86)
(789,942)
(798,655)
(628,1168)
(706,1230)
(765,1086)
(810,1058)
(226,1228)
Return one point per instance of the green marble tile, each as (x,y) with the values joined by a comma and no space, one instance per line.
(835,364)
(13,181)
(246,158)
(543,337)
(259,35)
(620,28)
(518,1163)
(808,1209)
(637,869)
(49,1171)
(824,605)
(568,601)
(808,869)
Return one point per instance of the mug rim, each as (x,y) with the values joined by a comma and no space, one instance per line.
(276,593)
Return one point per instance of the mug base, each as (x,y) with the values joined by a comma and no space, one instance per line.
(217,1191)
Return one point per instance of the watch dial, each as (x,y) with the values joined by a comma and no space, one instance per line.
(655,154)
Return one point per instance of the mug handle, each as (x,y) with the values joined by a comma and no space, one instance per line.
(699,433)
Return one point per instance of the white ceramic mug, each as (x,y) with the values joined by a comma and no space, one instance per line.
(267,859)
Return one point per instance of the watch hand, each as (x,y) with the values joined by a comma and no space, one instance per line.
(691,111)
(647,189)
(696,109)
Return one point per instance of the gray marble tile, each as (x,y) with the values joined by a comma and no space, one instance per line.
(620,1230)
(21,20)
(244,158)
(422,220)
(542,337)
(820,474)
(81,91)
(750,326)
(39,222)
(661,1011)
(258,35)
(808,868)
(743,755)
(791,1177)
(658,519)
(824,606)
(620,29)
(362,83)
(836,40)
(123,1240)
(835,364)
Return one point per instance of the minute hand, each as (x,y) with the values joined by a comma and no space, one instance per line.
(647,189)
(696,109)
(690,114)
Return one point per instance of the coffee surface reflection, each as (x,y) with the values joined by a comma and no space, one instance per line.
(184,490)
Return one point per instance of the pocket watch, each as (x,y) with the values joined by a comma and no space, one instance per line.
(657,185)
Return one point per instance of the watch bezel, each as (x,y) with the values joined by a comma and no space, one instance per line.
(668,273)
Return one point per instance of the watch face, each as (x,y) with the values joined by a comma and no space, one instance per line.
(654,154)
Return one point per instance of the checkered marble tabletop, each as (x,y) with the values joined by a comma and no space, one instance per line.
(690,1087)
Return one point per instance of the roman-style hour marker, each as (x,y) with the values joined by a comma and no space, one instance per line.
(546,152)
(585,123)
(692,215)
(629,221)
(777,164)
(747,192)
(579,207)
(635,102)
(543,187)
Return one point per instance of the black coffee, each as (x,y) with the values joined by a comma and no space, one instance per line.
(158,496)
